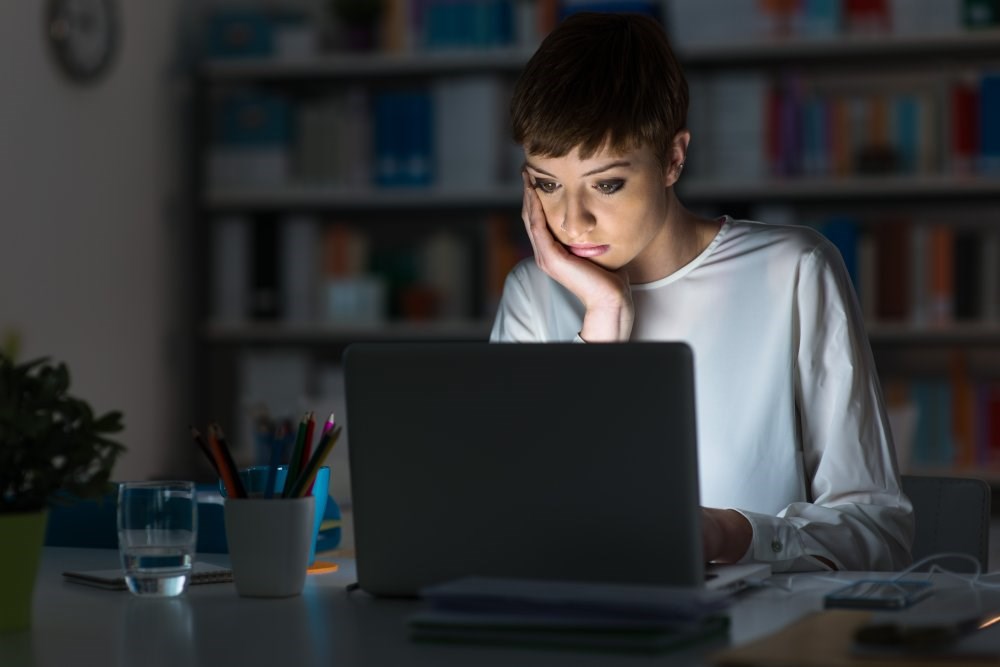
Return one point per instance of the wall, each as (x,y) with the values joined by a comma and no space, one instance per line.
(93,222)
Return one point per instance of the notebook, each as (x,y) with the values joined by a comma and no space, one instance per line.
(114,579)
(553,461)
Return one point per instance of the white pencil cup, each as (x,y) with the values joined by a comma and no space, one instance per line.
(269,540)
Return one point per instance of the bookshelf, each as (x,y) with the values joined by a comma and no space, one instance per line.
(479,213)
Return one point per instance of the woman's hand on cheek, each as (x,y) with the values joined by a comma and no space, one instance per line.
(605,294)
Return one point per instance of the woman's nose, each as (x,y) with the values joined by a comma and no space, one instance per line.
(577,217)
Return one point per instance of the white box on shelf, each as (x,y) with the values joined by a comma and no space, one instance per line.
(230,269)
(235,167)
(297,41)
(447,267)
(299,264)
(355,300)
(469,131)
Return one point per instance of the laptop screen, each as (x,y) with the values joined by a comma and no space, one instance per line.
(555,461)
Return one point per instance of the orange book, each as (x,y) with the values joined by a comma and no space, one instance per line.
(501,256)
(941,278)
(878,122)
(548,16)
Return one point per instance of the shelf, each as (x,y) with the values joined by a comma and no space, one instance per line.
(280,333)
(834,51)
(703,191)
(959,333)
(366,65)
(855,188)
(840,50)
(339,197)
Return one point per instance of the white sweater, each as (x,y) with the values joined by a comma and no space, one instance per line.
(792,427)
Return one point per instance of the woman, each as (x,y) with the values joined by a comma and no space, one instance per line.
(797,466)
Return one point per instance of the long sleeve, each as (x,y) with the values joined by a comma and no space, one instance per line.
(858,517)
(535,309)
(792,428)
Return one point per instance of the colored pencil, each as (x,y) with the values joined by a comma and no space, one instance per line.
(308,475)
(294,461)
(205,450)
(307,445)
(331,421)
(227,467)
(277,436)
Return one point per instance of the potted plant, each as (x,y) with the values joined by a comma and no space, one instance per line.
(53,448)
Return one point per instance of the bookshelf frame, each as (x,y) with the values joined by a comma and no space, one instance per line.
(221,341)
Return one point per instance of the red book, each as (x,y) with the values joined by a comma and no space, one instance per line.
(964,127)
(867,16)
(892,262)
(991,423)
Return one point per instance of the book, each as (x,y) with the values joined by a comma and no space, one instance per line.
(486,610)
(265,295)
(469,131)
(114,579)
(299,265)
(892,251)
(989,133)
(230,268)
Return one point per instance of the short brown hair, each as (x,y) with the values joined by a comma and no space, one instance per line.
(600,80)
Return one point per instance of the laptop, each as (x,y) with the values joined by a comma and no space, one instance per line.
(554,461)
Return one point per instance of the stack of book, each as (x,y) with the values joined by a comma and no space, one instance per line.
(483,610)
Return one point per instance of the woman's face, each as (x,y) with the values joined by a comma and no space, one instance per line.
(609,208)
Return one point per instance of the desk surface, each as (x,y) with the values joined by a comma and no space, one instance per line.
(210,625)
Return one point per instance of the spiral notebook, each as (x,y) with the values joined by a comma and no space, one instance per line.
(114,579)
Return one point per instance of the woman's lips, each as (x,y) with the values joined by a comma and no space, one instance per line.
(587,249)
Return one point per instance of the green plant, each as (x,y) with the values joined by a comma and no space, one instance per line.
(51,443)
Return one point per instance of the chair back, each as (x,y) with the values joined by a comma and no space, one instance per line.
(951,514)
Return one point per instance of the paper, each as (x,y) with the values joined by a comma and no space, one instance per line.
(114,579)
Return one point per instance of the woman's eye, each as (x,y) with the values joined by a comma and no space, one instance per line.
(609,187)
(545,186)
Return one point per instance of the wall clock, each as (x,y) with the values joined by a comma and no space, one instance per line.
(83,36)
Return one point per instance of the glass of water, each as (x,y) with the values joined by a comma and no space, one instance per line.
(157,530)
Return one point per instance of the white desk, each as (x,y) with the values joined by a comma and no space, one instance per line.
(210,626)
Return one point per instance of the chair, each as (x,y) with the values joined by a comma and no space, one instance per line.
(951,514)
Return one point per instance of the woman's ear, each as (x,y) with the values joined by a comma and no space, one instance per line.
(675,160)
